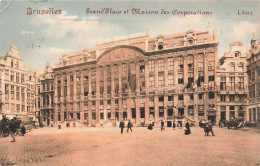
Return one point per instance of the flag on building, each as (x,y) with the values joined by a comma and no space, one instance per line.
(189,84)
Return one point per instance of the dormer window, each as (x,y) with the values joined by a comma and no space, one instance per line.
(160,47)
(190,42)
(237,54)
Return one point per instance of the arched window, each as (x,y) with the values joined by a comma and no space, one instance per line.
(232,67)
(17,65)
(12,63)
(241,67)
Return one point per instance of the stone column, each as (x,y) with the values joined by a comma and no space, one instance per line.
(147,110)
(128,105)
(97,96)
(137,108)
(156,74)
(137,67)
(74,94)
(112,93)
(105,94)
(120,103)
(55,84)
(156,109)
(185,71)
(90,98)
(81,97)
(165,101)
(165,72)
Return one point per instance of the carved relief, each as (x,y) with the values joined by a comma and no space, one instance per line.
(121,54)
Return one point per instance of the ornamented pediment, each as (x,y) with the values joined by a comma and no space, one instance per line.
(121,53)
(190,38)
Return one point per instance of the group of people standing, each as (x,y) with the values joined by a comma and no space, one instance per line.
(122,125)
(207,127)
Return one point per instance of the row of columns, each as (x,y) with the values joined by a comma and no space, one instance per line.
(137,68)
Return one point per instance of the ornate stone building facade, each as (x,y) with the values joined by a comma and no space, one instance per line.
(253,70)
(141,79)
(46,100)
(232,83)
(17,86)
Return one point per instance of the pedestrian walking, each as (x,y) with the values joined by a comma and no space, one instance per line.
(210,128)
(162,125)
(187,131)
(129,126)
(219,123)
(122,125)
(206,129)
(12,129)
(173,125)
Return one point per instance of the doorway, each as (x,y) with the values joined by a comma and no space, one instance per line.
(223,115)
(169,123)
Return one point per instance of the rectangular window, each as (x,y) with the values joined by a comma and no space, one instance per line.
(160,65)
(161,98)
(170,98)
(151,66)
(201,96)
(151,82)
(17,93)
(190,110)
(160,81)
(191,97)
(142,112)
(101,102)
(231,97)
(241,83)
(232,83)
(211,95)
(180,97)
(93,115)
(180,81)
(133,112)
(161,112)
(211,78)
(170,63)
(222,83)
(201,110)
(101,115)
(170,79)
(108,102)
(109,115)
(222,97)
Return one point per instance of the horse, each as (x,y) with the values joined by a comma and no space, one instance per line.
(232,123)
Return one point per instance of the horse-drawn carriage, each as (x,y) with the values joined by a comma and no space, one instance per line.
(4,126)
(235,122)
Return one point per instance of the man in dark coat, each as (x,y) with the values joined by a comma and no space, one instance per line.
(129,126)
(210,128)
(187,125)
(12,128)
(173,125)
(162,125)
(122,125)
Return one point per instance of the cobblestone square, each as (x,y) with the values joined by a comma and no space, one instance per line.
(106,146)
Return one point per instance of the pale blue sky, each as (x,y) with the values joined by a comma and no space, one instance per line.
(56,37)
